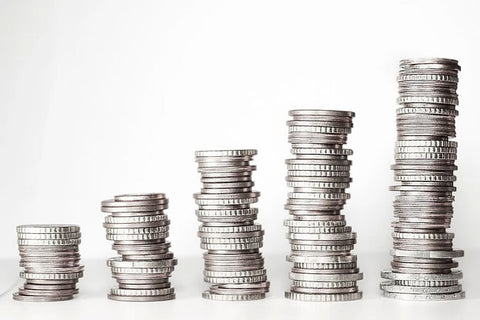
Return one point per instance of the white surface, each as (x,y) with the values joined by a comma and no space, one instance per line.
(92,303)
(99,98)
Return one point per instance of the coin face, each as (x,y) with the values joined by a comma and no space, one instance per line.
(422,266)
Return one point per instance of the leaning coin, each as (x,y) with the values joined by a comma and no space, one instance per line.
(19,297)
(139,196)
(390,286)
(137,203)
(47,293)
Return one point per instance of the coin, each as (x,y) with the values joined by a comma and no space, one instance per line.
(323,297)
(141,298)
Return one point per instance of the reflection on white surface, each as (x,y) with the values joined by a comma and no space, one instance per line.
(8,275)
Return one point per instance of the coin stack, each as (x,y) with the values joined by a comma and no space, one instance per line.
(50,261)
(320,240)
(138,227)
(233,262)
(424,170)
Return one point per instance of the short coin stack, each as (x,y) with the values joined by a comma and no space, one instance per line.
(424,170)
(320,240)
(233,262)
(138,227)
(51,262)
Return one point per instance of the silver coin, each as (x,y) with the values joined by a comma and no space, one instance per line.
(142,292)
(141,298)
(454,275)
(390,286)
(117,262)
(137,203)
(232,297)
(19,297)
(225,153)
(139,196)
(326,277)
(425,297)
(51,276)
(47,228)
(47,293)
(48,236)
(141,286)
(32,286)
(236,280)
(323,297)
(134,209)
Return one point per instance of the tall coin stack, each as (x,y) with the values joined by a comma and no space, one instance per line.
(233,262)
(424,170)
(50,260)
(138,227)
(323,267)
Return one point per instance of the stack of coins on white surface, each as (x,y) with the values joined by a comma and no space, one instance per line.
(320,240)
(50,260)
(424,171)
(234,265)
(138,227)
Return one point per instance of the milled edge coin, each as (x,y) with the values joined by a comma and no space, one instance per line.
(141,298)
(323,297)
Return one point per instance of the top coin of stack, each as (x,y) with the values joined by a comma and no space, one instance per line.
(233,262)
(139,228)
(320,240)
(51,262)
(424,170)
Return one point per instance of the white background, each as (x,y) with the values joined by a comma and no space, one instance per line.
(99,98)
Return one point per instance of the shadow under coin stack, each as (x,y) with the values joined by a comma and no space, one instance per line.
(323,267)
(233,262)
(138,227)
(51,262)
(424,170)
